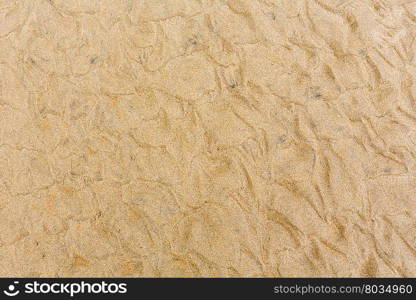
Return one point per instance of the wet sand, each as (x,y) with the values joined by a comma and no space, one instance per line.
(206,138)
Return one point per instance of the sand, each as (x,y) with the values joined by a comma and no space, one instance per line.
(207,138)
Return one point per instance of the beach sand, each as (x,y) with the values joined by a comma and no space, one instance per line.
(208,138)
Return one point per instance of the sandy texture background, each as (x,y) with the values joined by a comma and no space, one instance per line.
(207,138)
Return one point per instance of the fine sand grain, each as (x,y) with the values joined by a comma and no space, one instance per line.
(205,138)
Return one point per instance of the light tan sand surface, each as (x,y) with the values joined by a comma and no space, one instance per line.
(200,138)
